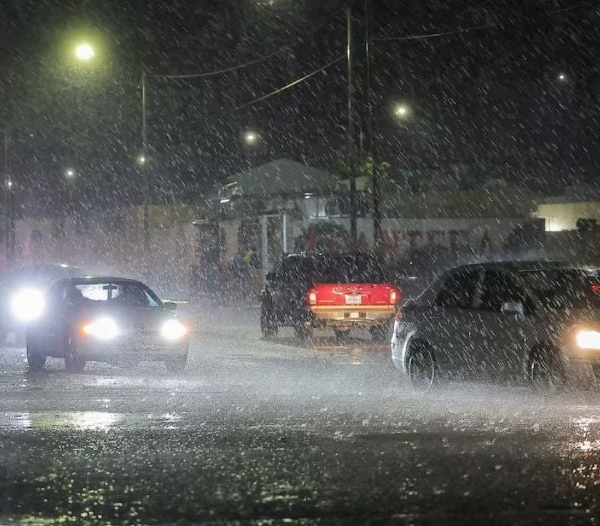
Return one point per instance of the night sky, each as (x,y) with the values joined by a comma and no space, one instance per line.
(487,102)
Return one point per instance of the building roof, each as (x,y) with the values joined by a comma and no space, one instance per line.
(280,177)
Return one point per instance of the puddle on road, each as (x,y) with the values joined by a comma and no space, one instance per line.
(86,421)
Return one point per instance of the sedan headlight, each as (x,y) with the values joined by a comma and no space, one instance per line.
(102,328)
(28,304)
(588,339)
(173,330)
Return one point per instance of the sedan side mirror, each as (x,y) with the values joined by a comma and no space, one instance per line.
(169,305)
(513,307)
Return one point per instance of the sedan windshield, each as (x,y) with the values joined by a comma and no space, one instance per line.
(564,288)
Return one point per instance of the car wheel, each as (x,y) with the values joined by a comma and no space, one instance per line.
(342,336)
(35,359)
(302,332)
(421,368)
(381,333)
(176,364)
(73,361)
(544,369)
(268,326)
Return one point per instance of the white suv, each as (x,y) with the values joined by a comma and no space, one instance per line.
(531,319)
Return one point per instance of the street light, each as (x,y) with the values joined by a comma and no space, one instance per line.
(250,138)
(142,159)
(562,77)
(69,173)
(84,52)
(401,111)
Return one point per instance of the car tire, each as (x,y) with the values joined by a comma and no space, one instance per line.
(73,361)
(268,325)
(381,333)
(302,332)
(342,336)
(544,370)
(421,368)
(35,359)
(176,364)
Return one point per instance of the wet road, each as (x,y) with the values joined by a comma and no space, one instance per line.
(276,432)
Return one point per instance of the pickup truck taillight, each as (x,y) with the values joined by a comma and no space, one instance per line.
(393,296)
(312,297)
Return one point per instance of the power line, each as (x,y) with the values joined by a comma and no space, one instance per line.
(499,25)
(257,60)
(426,36)
(290,85)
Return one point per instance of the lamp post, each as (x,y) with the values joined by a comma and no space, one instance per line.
(70,176)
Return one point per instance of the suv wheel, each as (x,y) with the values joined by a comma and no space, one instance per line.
(176,364)
(35,359)
(73,361)
(381,333)
(421,368)
(268,326)
(302,332)
(544,369)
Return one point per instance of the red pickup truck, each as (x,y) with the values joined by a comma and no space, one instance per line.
(338,292)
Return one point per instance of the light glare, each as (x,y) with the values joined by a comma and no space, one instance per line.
(588,339)
(84,52)
(28,304)
(173,330)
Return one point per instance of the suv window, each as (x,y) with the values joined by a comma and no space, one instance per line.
(458,290)
(498,288)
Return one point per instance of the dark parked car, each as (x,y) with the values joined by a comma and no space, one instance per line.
(338,292)
(106,319)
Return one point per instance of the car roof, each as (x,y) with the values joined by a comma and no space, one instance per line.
(99,279)
(523,266)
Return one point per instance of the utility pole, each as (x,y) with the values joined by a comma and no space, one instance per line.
(350,131)
(143,160)
(9,226)
(376,190)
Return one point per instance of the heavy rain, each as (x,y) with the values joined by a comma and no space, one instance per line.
(299,262)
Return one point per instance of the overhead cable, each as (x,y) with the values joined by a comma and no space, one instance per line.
(291,84)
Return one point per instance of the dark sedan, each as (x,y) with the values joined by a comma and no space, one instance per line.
(106,319)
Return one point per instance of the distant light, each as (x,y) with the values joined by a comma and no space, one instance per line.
(84,52)
(250,138)
(224,201)
(562,77)
(9,184)
(402,111)
(142,159)
(307,195)
(70,173)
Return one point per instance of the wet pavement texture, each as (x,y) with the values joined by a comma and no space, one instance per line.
(283,432)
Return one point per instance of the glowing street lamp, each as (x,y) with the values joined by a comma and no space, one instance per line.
(401,111)
(142,159)
(70,174)
(250,138)
(85,52)
(562,77)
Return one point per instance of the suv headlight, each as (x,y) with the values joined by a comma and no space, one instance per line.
(27,304)
(173,330)
(588,339)
(102,328)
